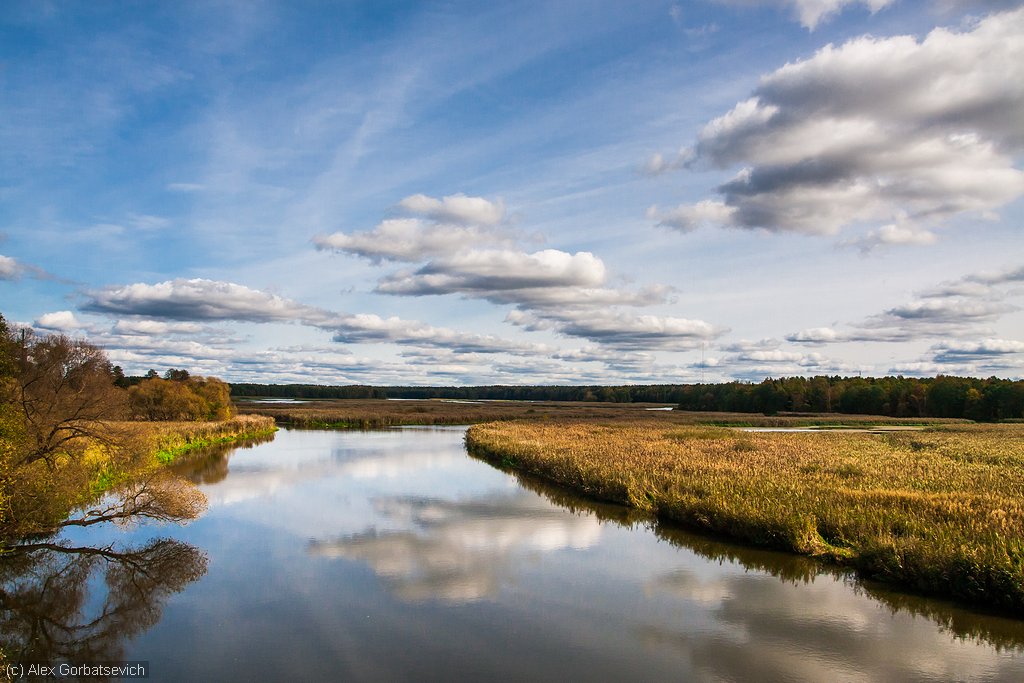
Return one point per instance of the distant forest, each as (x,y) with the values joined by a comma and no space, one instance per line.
(984,400)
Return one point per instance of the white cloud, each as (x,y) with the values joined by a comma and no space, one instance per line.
(487,270)
(656,164)
(875,130)
(815,335)
(408,239)
(961,351)
(621,329)
(196,299)
(689,217)
(958,309)
(13,269)
(59,321)
(893,235)
(10,269)
(368,328)
(456,208)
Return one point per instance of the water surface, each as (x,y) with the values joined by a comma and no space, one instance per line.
(393,555)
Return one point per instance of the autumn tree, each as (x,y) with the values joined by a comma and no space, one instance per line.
(188,398)
(63,391)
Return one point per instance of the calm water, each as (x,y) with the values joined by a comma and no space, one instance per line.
(394,556)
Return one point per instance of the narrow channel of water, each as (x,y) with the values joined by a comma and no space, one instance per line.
(392,555)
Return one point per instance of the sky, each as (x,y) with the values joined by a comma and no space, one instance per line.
(458,193)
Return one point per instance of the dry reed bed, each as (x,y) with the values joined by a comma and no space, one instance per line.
(376,413)
(167,440)
(939,511)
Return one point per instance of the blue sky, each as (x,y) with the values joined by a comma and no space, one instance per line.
(466,193)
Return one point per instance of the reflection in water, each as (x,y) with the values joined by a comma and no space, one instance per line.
(51,610)
(472,577)
(210,465)
(772,630)
(54,607)
(458,551)
(1002,632)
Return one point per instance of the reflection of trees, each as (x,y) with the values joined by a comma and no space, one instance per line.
(210,465)
(51,611)
(60,602)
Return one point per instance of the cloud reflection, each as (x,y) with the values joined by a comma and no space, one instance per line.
(459,551)
(766,629)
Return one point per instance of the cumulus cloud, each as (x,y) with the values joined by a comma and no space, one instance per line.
(876,130)
(550,289)
(196,300)
(364,328)
(58,321)
(957,309)
(408,239)
(497,270)
(456,208)
(814,335)
(961,351)
(621,329)
(482,262)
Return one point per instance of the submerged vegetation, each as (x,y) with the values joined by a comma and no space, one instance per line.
(939,511)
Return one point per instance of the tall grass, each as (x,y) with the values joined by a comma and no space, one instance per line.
(939,511)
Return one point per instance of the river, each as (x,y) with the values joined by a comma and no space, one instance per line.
(393,555)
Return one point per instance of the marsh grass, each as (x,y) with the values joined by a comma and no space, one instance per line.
(378,413)
(939,511)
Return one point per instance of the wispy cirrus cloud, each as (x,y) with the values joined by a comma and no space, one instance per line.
(811,13)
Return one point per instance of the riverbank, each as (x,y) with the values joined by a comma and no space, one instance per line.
(939,511)
(40,498)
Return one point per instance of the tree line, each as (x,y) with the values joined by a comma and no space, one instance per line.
(984,400)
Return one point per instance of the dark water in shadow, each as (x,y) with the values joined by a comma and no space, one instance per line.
(393,556)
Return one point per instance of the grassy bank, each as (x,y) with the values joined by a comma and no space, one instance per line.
(168,441)
(40,497)
(939,511)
